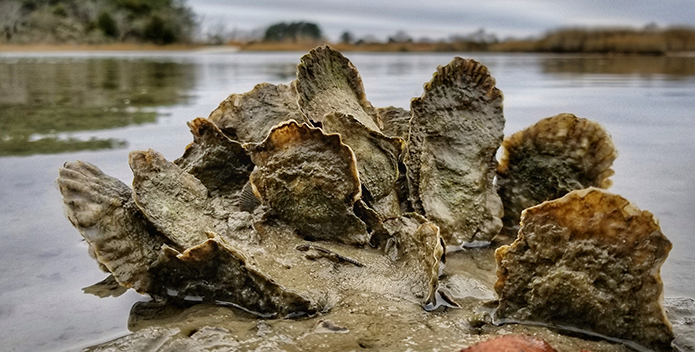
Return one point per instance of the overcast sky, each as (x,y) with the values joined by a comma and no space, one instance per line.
(442,18)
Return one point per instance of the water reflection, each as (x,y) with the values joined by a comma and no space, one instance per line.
(43,101)
(282,71)
(677,67)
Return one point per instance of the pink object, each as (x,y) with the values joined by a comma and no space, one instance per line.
(511,343)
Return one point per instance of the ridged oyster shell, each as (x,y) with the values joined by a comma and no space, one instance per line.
(455,131)
(102,209)
(248,117)
(589,260)
(395,121)
(328,82)
(551,158)
(309,179)
(376,156)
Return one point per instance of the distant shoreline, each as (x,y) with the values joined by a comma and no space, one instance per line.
(97,47)
(300,47)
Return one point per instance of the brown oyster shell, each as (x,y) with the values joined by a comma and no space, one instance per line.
(220,163)
(396,121)
(248,117)
(589,260)
(551,158)
(418,247)
(309,180)
(376,155)
(456,128)
(328,82)
(173,200)
(102,209)
(215,272)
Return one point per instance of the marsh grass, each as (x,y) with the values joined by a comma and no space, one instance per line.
(606,41)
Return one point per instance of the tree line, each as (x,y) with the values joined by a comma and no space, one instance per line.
(95,21)
(650,40)
(170,21)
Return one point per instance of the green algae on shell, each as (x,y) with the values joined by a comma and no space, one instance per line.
(456,129)
(556,155)
(589,260)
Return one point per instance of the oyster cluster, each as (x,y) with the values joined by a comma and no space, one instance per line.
(293,197)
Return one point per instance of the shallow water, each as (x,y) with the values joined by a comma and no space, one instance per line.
(97,107)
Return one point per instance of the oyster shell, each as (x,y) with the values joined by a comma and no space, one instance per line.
(396,121)
(456,128)
(309,179)
(173,200)
(328,82)
(248,117)
(551,158)
(418,247)
(102,209)
(213,271)
(108,287)
(377,159)
(220,163)
(589,260)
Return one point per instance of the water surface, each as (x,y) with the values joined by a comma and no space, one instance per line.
(97,107)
